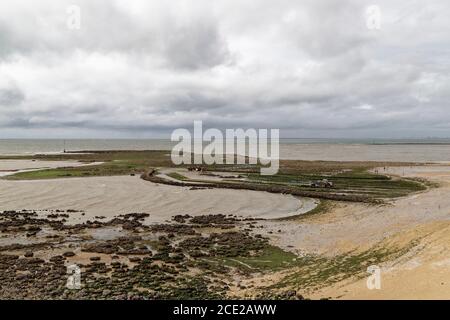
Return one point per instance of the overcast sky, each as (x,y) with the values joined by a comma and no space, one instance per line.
(140,68)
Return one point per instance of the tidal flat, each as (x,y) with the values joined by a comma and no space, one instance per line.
(140,228)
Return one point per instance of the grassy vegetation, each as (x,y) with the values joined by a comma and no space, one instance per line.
(312,271)
(313,167)
(270,258)
(354,182)
(114,163)
(177,176)
(319,271)
(323,207)
(425,182)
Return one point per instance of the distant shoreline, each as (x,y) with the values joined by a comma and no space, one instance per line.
(395,150)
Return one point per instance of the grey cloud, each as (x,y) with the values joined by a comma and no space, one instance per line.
(107,27)
(198,45)
(11,97)
(307,67)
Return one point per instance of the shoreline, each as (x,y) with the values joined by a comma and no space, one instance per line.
(328,150)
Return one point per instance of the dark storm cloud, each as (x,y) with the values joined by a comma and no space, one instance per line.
(310,68)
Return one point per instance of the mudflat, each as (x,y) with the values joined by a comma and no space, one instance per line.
(109,196)
(126,225)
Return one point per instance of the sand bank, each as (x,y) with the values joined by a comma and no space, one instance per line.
(12,166)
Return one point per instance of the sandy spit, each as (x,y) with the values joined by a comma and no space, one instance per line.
(8,167)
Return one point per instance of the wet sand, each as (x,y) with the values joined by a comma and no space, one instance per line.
(109,196)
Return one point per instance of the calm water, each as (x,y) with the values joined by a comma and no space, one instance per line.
(32,146)
(304,149)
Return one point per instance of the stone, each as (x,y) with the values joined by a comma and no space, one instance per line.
(68,254)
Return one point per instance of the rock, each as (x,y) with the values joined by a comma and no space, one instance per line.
(21,277)
(68,254)
(28,254)
(57,259)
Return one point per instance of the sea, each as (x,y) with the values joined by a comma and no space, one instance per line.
(402,150)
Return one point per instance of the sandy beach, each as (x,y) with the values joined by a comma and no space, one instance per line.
(424,273)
